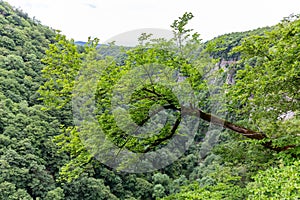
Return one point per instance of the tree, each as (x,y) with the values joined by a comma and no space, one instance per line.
(87,188)
(188,63)
(56,194)
(62,64)
(267,90)
(281,182)
(165,86)
(8,191)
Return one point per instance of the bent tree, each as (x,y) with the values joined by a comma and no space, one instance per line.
(266,90)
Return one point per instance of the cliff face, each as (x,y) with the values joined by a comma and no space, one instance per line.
(221,48)
(226,63)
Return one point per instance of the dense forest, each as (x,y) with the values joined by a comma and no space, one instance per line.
(168,119)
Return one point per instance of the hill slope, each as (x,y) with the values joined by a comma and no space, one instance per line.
(218,167)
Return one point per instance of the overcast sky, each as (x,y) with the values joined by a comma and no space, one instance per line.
(104,19)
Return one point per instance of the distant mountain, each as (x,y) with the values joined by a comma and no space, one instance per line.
(80,43)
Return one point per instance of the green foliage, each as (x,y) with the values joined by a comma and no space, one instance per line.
(281,182)
(221,47)
(56,194)
(27,169)
(218,192)
(8,191)
(143,189)
(42,155)
(158,191)
(267,89)
(87,188)
(62,65)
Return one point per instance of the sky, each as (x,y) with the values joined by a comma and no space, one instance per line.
(104,19)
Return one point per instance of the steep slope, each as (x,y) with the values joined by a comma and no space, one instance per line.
(28,165)
(219,166)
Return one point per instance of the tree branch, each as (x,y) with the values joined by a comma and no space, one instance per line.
(236,128)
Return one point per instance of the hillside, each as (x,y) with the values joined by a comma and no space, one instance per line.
(42,152)
(29,160)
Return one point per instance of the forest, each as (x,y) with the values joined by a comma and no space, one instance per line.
(168,119)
